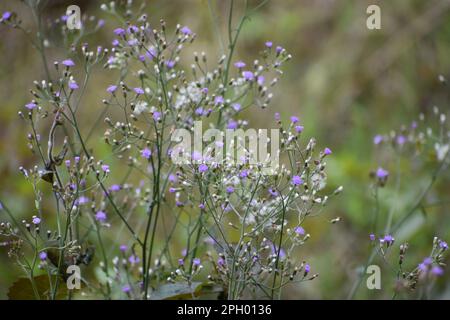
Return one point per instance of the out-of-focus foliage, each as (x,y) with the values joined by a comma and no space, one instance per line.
(345,82)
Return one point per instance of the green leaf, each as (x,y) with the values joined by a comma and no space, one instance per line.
(177,291)
(22,289)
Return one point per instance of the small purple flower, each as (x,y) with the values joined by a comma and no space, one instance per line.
(112,88)
(437,271)
(381,173)
(105,168)
(31,105)
(36,220)
(172,178)
(248,75)
(422,267)
(443,245)
(279,49)
(299,129)
(133,29)
(218,100)
(240,64)
(157,116)
(201,206)
(115,188)
(268,44)
(260,80)
(68,63)
(273,192)
(243,174)
(170,64)
(133,259)
(139,91)
(199,111)
(181,262)
(307,269)
(146,153)
(100,216)
(73,85)
(372,237)
(299,230)
(236,106)
(115,42)
(43,256)
(388,239)
(202,168)
(172,190)
(377,139)
(186,31)
(126,289)
(294,119)
(196,262)
(230,189)
(6,15)
(232,124)
(67,163)
(123,247)
(119,31)
(327,151)
(297,180)
(82,200)
(427,261)
(401,140)
(277,116)
(220,262)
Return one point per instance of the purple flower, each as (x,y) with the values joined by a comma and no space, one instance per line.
(273,192)
(181,262)
(36,220)
(236,106)
(240,64)
(197,156)
(105,168)
(172,178)
(277,116)
(381,173)
(100,216)
(422,267)
(327,151)
(6,15)
(31,105)
(377,139)
(307,269)
(244,174)
(279,49)
(146,153)
(170,64)
(230,189)
(172,190)
(201,206)
(115,188)
(68,63)
(268,44)
(119,32)
(260,80)
(388,239)
(133,259)
(297,180)
(299,230)
(437,271)
(199,111)
(248,75)
(185,30)
(220,262)
(112,88)
(157,116)
(294,119)
(427,261)
(443,245)
(372,237)
(115,42)
(123,247)
(138,91)
(126,289)
(43,256)
(196,262)
(232,124)
(73,85)
(299,129)
(401,140)
(202,168)
(133,29)
(82,200)
(218,100)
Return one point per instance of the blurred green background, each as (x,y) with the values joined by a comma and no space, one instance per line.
(345,82)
